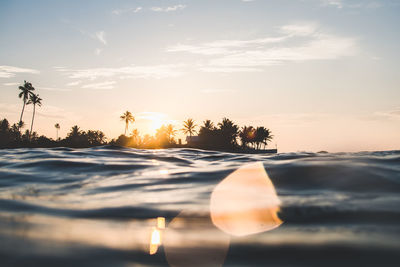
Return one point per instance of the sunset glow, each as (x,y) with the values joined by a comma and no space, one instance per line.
(322,78)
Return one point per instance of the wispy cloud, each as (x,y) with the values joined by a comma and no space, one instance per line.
(301,29)
(335,3)
(216,91)
(10,71)
(97,51)
(101,36)
(11,84)
(127,10)
(168,9)
(223,46)
(297,42)
(100,86)
(393,114)
(56,89)
(342,4)
(132,71)
(75,83)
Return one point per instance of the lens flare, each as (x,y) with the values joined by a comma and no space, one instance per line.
(245,202)
(155,240)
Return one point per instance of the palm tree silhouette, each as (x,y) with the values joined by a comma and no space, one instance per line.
(127,117)
(247,135)
(267,136)
(170,131)
(57,125)
(35,100)
(75,132)
(208,124)
(189,127)
(21,124)
(26,91)
(229,132)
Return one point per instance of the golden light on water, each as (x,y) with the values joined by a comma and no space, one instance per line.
(156,239)
(245,202)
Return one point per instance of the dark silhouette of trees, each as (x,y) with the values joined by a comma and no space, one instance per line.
(225,137)
(57,126)
(247,135)
(34,100)
(26,91)
(228,132)
(95,138)
(189,127)
(128,118)
(78,138)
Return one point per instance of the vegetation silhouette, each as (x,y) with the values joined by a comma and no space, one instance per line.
(189,127)
(34,100)
(57,126)
(26,92)
(127,117)
(226,136)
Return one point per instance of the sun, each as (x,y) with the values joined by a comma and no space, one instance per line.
(155,123)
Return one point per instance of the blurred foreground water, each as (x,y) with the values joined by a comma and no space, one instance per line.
(99,207)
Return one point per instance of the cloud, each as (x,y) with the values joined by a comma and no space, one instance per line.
(335,3)
(127,10)
(46,111)
(305,29)
(11,84)
(54,89)
(74,83)
(223,46)
(297,43)
(100,86)
(393,114)
(101,36)
(97,51)
(342,4)
(168,9)
(132,71)
(10,71)
(216,91)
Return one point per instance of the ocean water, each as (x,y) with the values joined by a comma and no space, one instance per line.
(99,207)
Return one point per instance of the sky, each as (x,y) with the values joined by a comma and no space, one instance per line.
(320,74)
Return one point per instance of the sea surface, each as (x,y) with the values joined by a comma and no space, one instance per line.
(99,207)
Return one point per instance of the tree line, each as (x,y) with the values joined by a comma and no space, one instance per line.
(225,135)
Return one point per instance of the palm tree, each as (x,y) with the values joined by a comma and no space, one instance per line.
(170,131)
(35,100)
(135,137)
(57,125)
(75,132)
(208,124)
(21,124)
(127,117)
(189,127)
(26,91)
(247,135)
(229,132)
(267,136)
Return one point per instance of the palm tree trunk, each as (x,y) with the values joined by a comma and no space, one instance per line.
(126,127)
(23,108)
(33,118)
(57,135)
